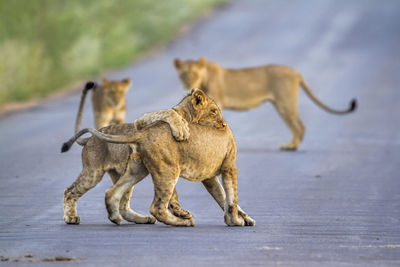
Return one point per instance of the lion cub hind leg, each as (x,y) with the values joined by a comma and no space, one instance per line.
(85,181)
(216,190)
(163,189)
(118,196)
(229,183)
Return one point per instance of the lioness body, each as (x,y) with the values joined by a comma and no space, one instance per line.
(243,89)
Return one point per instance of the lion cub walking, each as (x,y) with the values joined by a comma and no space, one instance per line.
(108,101)
(243,89)
(210,151)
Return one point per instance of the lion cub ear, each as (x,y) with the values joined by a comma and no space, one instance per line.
(106,82)
(178,63)
(127,82)
(202,62)
(199,99)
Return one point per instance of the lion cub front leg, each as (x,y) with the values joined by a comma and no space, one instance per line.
(85,181)
(229,183)
(179,126)
(103,118)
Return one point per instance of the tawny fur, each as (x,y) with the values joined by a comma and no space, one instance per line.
(108,102)
(210,151)
(243,89)
(99,157)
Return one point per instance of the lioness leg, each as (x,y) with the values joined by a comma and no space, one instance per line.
(118,196)
(124,205)
(229,183)
(163,189)
(216,190)
(290,115)
(85,181)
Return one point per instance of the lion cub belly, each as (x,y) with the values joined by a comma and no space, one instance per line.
(202,163)
(199,172)
(201,158)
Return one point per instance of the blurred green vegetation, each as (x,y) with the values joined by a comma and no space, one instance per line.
(47,44)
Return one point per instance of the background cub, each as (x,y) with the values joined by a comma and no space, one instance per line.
(108,101)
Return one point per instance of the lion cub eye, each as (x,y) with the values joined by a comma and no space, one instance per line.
(214,112)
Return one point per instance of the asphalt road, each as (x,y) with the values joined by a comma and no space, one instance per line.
(334,202)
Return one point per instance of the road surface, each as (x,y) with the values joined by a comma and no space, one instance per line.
(334,202)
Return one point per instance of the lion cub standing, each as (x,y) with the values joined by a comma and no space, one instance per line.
(108,101)
(243,89)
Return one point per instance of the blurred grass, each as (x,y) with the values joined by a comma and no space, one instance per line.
(47,44)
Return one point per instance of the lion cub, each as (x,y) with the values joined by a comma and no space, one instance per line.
(108,101)
(243,89)
(209,152)
(99,157)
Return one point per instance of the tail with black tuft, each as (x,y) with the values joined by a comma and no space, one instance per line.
(89,85)
(307,90)
(353,105)
(66,146)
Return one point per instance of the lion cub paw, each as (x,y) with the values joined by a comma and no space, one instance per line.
(192,222)
(179,212)
(288,147)
(117,219)
(233,220)
(248,221)
(187,222)
(72,220)
(180,130)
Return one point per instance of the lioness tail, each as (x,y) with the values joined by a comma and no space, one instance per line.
(352,107)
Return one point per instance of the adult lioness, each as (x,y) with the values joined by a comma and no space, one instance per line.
(99,157)
(243,89)
(209,152)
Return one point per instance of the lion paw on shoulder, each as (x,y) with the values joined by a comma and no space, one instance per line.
(180,130)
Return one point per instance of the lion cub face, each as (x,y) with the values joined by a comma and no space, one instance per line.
(116,90)
(206,112)
(191,72)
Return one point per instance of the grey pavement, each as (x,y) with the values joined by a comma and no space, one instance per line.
(335,202)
